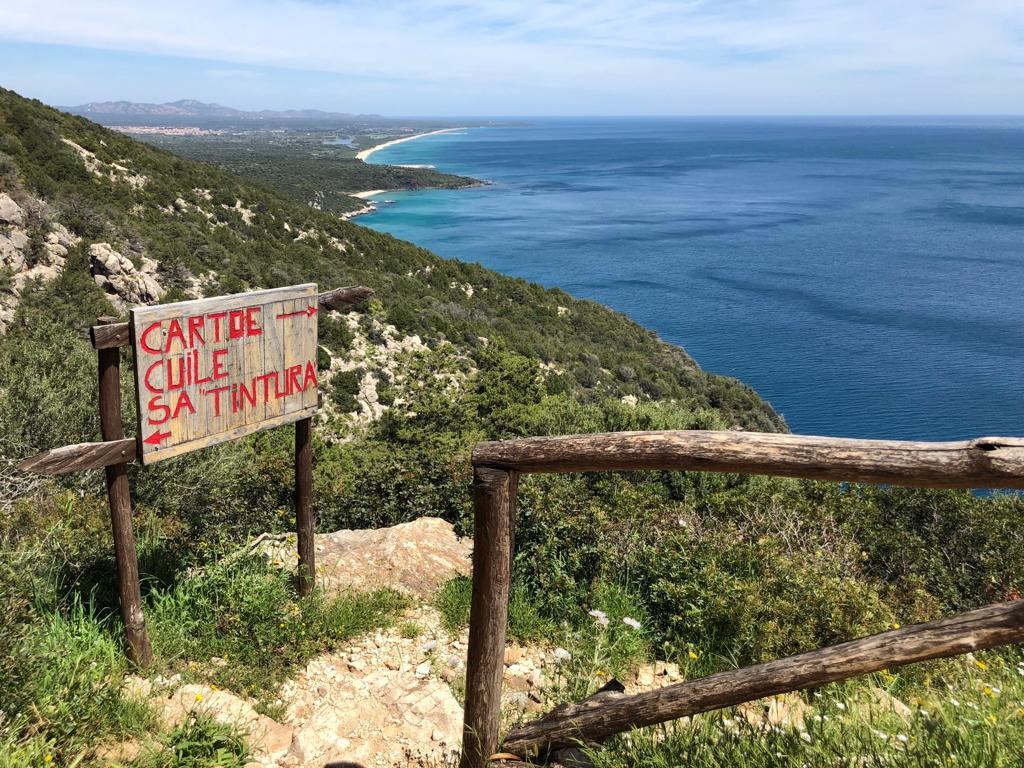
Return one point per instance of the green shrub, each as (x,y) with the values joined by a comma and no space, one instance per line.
(199,742)
(344,388)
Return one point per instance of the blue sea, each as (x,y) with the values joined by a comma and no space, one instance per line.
(864,276)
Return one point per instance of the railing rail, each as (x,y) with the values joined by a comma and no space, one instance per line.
(989,462)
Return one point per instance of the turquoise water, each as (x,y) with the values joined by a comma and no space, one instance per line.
(863,275)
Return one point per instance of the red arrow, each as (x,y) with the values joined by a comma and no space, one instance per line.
(308,311)
(157,437)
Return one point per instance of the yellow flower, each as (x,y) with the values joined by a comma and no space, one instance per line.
(987,690)
(980,664)
(991,719)
(895,625)
(199,697)
(692,654)
(48,758)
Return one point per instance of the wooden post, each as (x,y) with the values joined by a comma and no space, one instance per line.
(119,496)
(304,504)
(494,496)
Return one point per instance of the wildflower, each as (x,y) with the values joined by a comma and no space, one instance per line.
(879,734)
(631,622)
(840,706)
(600,617)
(692,654)
(805,736)
(902,737)
(561,655)
(989,691)
(980,664)
(199,697)
(895,625)
(954,702)
(48,758)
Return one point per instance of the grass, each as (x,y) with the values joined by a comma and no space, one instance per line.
(525,624)
(62,691)
(241,625)
(966,726)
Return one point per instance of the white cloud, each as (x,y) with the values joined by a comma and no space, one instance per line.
(718,54)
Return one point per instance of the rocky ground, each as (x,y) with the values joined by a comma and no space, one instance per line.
(393,698)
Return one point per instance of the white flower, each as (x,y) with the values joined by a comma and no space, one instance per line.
(561,655)
(902,737)
(805,736)
(954,702)
(879,734)
(600,617)
(840,706)
(631,622)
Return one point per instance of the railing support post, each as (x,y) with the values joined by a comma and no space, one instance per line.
(305,529)
(494,497)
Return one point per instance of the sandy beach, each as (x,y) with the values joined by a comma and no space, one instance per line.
(365,153)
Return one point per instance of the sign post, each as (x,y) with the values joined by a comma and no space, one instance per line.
(119,498)
(206,371)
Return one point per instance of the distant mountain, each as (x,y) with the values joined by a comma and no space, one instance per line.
(197,109)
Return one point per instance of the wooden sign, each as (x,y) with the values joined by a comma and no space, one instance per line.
(212,370)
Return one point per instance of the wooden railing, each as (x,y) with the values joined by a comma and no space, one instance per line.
(990,462)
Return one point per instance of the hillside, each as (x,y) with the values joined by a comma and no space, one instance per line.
(711,570)
(205,230)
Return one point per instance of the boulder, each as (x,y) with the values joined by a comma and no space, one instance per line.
(10,211)
(415,558)
(118,277)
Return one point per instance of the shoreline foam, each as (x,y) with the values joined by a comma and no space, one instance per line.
(365,153)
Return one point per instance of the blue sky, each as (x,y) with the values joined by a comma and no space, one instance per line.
(515,57)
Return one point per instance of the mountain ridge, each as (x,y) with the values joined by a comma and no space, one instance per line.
(197,109)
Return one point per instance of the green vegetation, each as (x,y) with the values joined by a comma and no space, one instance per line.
(307,165)
(246,614)
(199,742)
(717,570)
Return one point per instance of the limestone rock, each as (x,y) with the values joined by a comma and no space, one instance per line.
(121,753)
(786,710)
(384,718)
(10,211)
(415,558)
(118,277)
(877,699)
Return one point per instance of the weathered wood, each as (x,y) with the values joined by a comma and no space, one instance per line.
(594,721)
(494,494)
(344,298)
(116,334)
(119,497)
(988,462)
(72,458)
(212,370)
(304,505)
(110,335)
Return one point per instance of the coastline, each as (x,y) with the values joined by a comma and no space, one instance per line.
(365,153)
(368,194)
